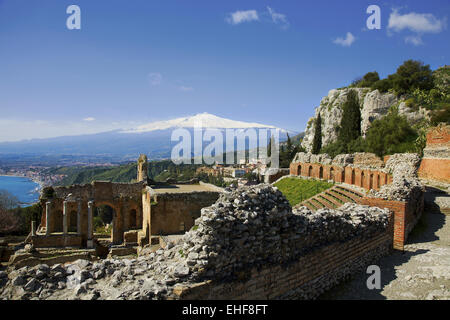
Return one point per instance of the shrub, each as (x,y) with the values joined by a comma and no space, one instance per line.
(391,134)
(382,85)
(412,75)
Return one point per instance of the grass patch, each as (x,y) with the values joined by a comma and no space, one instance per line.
(297,190)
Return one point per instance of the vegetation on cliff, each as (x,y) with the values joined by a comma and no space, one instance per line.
(417,84)
(317,142)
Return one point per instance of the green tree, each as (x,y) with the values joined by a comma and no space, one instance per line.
(412,75)
(391,134)
(350,128)
(368,80)
(317,142)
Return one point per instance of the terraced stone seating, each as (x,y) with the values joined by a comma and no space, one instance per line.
(332,198)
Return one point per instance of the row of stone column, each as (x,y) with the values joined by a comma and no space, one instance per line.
(90,235)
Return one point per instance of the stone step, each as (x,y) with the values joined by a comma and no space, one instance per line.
(316,203)
(308,205)
(348,194)
(325,203)
(356,193)
(332,199)
(341,197)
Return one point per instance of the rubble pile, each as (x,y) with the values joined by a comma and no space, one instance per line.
(405,182)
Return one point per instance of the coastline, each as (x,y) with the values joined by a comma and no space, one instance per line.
(39,182)
(37,190)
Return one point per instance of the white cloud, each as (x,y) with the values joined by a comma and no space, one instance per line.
(347,42)
(155,78)
(186,89)
(278,18)
(418,23)
(89,119)
(242,16)
(415,40)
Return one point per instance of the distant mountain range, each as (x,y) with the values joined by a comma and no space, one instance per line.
(153,139)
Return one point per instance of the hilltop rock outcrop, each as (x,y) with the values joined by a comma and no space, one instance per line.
(374,106)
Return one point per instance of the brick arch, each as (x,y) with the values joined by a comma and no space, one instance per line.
(321,172)
(353,179)
(310,169)
(116,234)
(363,179)
(299,169)
(332,174)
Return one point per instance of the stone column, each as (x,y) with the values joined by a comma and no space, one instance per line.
(79,218)
(33,228)
(47,217)
(90,241)
(65,215)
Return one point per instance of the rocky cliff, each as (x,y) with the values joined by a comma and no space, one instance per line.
(374,105)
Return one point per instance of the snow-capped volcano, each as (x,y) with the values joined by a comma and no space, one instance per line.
(204,120)
(153,139)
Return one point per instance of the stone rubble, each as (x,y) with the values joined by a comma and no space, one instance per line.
(247,227)
(405,182)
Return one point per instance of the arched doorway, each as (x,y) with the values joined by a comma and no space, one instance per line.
(299,170)
(103,221)
(332,173)
(363,178)
(353,176)
(310,171)
(321,172)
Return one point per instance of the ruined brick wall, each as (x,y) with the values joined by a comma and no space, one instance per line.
(307,278)
(176,212)
(435,164)
(124,198)
(370,179)
(406,215)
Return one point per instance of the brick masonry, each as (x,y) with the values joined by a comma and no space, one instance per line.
(406,213)
(365,178)
(435,164)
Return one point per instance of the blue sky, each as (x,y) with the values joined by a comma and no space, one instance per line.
(138,61)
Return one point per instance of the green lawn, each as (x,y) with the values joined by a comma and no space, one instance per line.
(296,190)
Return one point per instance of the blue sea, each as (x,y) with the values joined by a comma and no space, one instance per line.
(26,190)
